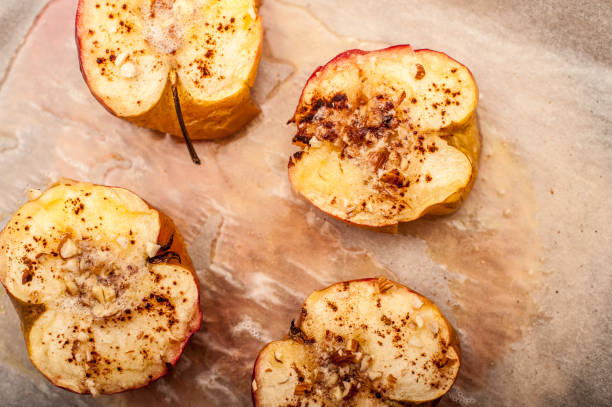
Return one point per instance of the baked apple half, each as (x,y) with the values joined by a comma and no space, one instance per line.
(368,342)
(141,57)
(105,290)
(387,136)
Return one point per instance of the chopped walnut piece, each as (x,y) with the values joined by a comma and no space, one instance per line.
(365,363)
(347,390)
(358,356)
(127,70)
(384,285)
(302,388)
(152,249)
(341,358)
(71,287)
(121,58)
(374,375)
(278,356)
(420,72)
(92,387)
(336,393)
(314,142)
(331,379)
(34,194)
(98,293)
(68,249)
(71,265)
(108,293)
(417,304)
(378,158)
(252,13)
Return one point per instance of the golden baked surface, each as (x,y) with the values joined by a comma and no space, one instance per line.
(103,285)
(360,343)
(387,136)
(128,50)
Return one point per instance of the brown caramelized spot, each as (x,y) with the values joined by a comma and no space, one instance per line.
(27,276)
(341,358)
(302,388)
(378,158)
(420,73)
(295,158)
(394,177)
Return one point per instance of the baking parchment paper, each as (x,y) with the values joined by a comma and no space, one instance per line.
(522,269)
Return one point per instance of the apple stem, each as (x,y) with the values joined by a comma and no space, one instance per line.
(179,115)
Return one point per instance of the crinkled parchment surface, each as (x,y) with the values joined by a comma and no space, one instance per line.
(522,269)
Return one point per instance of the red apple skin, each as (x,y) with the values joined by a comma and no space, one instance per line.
(183,345)
(78,45)
(454,338)
(237,121)
(167,228)
(351,52)
(391,227)
(178,246)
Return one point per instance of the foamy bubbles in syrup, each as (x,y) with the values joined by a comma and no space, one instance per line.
(163,30)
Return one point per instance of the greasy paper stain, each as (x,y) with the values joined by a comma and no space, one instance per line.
(492,246)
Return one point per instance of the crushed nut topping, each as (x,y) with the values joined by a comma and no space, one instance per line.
(386,129)
(127,70)
(384,285)
(336,393)
(278,356)
(418,303)
(120,59)
(420,72)
(356,357)
(151,248)
(302,388)
(374,375)
(71,287)
(68,248)
(34,194)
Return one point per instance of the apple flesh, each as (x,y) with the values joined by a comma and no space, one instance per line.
(368,342)
(105,289)
(387,136)
(132,51)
